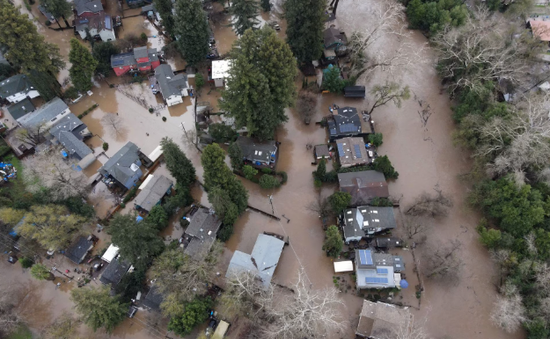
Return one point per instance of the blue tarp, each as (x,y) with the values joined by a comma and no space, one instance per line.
(404,284)
(139,218)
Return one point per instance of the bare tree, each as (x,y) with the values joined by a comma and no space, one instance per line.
(430,206)
(320,206)
(114,123)
(64,327)
(305,105)
(415,228)
(390,91)
(408,330)
(508,311)
(48,169)
(245,295)
(31,136)
(481,50)
(443,261)
(306,313)
(9,320)
(542,275)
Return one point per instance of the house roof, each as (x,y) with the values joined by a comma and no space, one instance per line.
(333,36)
(220,68)
(388,242)
(169,83)
(345,121)
(352,151)
(363,186)
(83,6)
(140,52)
(257,151)
(110,253)
(119,166)
(45,12)
(202,230)
(44,114)
(21,108)
(68,132)
(322,151)
(354,91)
(153,299)
(540,28)
(262,261)
(99,22)
(130,58)
(379,320)
(153,192)
(114,272)
(77,252)
(365,220)
(15,84)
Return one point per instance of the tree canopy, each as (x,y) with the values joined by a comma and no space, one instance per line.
(178,164)
(339,201)
(306,23)
(236,156)
(191,28)
(164,7)
(261,82)
(26,48)
(58,8)
(41,272)
(333,242)
(83,66)
(102,52)
(97,308)
(244,15)
(195,313)
(433,16)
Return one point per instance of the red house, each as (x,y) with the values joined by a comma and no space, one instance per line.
(140,59)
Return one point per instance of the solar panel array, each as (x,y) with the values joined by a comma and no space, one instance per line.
(345,128)
(380,270)
(332,131)
(340,149)
(365,257)
(357,151)
(118,62)
(376,280)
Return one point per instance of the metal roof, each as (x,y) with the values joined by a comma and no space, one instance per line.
(220,69)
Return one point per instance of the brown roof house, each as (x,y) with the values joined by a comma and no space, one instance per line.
(363,186)
(380,321)
(352,152)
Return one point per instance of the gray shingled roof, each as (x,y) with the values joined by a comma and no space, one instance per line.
(363,186)
(257,151)
(44,114)
(367,220)
(169,83)
(21,108)
(152,193)
(118,166)
(344,122)
(153,299)
(68,133)
(114,272)
(380,320)
(77,252)
(15,84)
(332,36)
(140,52)
(128,59)
(263,260)
(83,6)
(202,229)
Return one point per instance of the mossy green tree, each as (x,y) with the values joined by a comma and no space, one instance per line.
(383,164)
(158,217)
(249,172)
(83,66)
(191,28)
(177,163)
(333,242)
(41,272)
(266,5)
(245,14)
(97,308)
(332,81)
(321,171)
(376,139)
(339,201)
(306,23)
(261,82)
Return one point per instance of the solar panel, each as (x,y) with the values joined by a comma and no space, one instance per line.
(366,257)
(333,131)
(357,151)
(347,128)
(340,149)
(117,62)
(376,280)
(381,270)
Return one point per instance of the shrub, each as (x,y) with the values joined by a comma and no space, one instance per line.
(249,172)
(225,232)
(331,176)
(488,237)
(267,170)
(333,243)
(158,216)
(131,193)
(70,93)
(143,37)
(383,164)
(199,81)
(105,146)
(382,202)
(196,312)
(284,177)
(164,119)
(339,201)
(268,181)
(318,183)
(376,139)
(48,23)
(26,262)
(151,110)
(122,205)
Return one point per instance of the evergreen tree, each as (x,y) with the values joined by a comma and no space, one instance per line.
(236,156)
(244,15)
(97,308)
(261,84)
(306,20)
(26,48)
(102,52)
(164,7)
(333,242)
(83,66)
(45,83)
(339,201)
(178,164)
(321,171)
(58,8)
(191,29)
(266,5)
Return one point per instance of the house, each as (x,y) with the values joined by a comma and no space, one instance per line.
(153,299)
(78,251)
(153,189)
(540,26)
(110,254)
(353,152)
(137,3)
(113,273)
(258,153)
(70,132)
(354,91)
(377,270)
(87,8)
(141,59)
(344,122)
(335,42)
(379,320)
(123,167)
(220,71)
(321,151)
(49,16)
(201,233)
(21,148)
(99,26)
(365,221)
(17,88)
(388,242)
(21,108)
(172,87)
(262,262)
(45,116)
(363,186)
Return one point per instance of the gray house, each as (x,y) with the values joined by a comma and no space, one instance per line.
(363,186)
(17,88)
(380,320)
(45,116)
(78,251)
(262,262)
(377,270)
(344,122)
(114,272)
(201,233)
(172,87)
(123,167)
(153,299)
(21,108)
(153,189)
(71,132)
(258,153)
(365,221)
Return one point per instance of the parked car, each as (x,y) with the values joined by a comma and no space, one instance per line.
(12,258)
(132,311)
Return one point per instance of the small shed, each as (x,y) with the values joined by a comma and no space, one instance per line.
(354,92)
(221,330)
(220,71)
(110,254)
(156,154)
(321,151)
(343,266)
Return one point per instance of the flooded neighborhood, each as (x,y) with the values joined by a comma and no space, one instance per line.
(272,169)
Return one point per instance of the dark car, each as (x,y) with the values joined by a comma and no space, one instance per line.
(12,258)
(132,311)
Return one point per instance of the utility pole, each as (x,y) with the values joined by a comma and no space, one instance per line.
(271,202)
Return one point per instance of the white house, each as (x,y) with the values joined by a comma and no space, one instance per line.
(172,87)
(98,25)
(220,71)
(17,88)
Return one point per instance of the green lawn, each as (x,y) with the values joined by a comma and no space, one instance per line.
(22,333)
